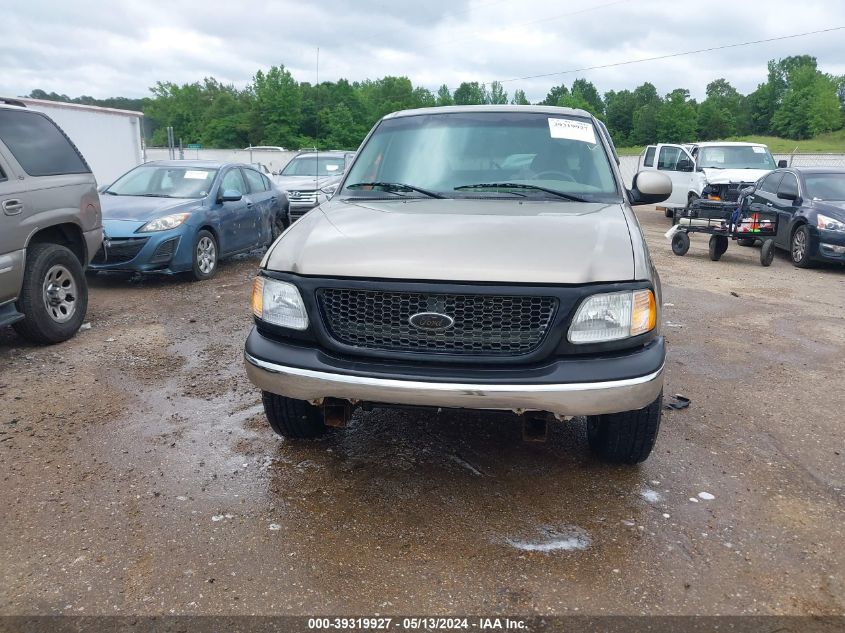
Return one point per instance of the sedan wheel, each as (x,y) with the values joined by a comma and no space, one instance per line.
(800,247)
(205,256)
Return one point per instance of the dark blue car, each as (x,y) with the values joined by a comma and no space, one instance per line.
(185,216)
(810,204)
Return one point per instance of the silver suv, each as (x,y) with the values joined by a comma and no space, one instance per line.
(50,226)
(310,178)
(482,257)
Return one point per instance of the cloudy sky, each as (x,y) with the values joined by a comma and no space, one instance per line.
(122,47)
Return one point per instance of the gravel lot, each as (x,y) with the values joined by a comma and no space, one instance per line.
(139,475)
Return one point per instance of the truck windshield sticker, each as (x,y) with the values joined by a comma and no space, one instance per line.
(196,175)
(572,130)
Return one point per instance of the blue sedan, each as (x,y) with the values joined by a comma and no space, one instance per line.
(184,216)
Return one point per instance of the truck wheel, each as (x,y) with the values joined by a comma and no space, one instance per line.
(54,295)
(627,437)
(718,246)
(204,256)
(680,243)
(292,418)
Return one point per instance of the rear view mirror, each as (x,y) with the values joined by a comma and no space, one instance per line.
(231,195)
(782,163)
(650,187)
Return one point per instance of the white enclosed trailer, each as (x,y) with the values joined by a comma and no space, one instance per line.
(109,139)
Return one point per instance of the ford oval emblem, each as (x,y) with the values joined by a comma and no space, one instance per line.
(431,321)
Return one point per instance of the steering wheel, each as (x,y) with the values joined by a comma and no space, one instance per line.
(551,172)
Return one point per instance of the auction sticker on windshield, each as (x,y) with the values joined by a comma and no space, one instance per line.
(572,130)
(196,175)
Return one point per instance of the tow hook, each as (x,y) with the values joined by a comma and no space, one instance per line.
(535,426)
(337,413)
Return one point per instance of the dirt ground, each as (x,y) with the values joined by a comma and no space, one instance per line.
(139,475)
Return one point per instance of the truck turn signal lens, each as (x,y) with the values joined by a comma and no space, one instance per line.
(644,313)
(258,296)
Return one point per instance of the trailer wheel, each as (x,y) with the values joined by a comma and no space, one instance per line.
(718,246)
(680,243)
(767,253)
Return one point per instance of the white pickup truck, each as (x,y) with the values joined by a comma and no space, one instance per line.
(716,170)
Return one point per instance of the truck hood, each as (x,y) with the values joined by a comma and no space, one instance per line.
(304,183)
(505,241)
(727,176)
(141,208)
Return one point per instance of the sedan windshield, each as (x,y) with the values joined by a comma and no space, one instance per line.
(158,181)
(735,157)
(826,186)
(314,166)
(485,154)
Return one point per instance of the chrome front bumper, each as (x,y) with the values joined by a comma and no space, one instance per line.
(590,398)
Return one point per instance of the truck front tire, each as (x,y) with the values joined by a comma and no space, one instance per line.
(54,295)
(295,419)
(627,437)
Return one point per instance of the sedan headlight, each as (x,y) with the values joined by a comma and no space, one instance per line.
(278,303)
(613,316)
(165,223)
(828,223)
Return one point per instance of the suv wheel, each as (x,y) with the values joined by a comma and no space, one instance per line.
(54,295)
(293,418)
(627,437)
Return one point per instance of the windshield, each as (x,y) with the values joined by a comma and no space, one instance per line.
(736,157)
(314,165)
(164,182)
(825,186)
(481,154)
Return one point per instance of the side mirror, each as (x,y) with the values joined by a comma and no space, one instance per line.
(650,187)
(684,164)
(782,163)
(231,195)
(788,195)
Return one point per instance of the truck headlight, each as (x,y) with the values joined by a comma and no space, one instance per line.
(278,303)
(829,224)
(164,224)
(614,315)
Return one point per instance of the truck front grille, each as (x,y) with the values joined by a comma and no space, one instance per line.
(484,325)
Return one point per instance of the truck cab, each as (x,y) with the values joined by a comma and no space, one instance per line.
(715,170)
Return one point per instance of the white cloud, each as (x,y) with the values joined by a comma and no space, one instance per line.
(123,47)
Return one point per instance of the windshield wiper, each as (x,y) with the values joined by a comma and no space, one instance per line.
(111,193)
(395,187)
(154,195)
(519,185)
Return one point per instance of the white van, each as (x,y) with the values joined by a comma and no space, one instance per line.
(716,170)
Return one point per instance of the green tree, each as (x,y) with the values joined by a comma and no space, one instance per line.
(276,111)
(498,95)
(444,97)
(619,115)
(519,97)
(810,105)
(720,114)
(469,93)
(586,91)
(677,118)
(555,95)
